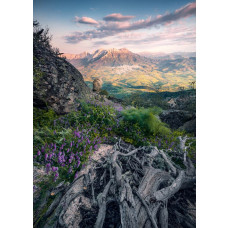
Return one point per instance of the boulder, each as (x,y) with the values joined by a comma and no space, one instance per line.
(189,126)
(172,103)
(97,84)
(57,83)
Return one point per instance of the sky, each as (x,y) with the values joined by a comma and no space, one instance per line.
(165,26)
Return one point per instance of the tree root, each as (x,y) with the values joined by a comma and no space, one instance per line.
(127,178)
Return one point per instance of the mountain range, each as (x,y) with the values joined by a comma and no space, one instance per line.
(170,56)
(124,72)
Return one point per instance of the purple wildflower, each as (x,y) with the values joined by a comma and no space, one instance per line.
(48,167)
(77,134)
(56,176)
(54,169)
(70,169)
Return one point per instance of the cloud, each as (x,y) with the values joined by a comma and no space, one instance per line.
(163,38)
(117,17)
(88,35)
(111,28)
(86,20)
(186,11)
(101,43)
(173,35)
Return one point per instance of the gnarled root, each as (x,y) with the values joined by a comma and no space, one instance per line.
(147,196)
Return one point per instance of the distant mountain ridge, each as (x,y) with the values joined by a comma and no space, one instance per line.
(106,57)
(113,51)
(170,56)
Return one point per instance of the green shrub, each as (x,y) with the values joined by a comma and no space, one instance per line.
(104,92)
(146,120)
(146,100)
(42,118)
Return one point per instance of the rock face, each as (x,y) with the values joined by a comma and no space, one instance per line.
(57,83)
(97,84)
(182,113)
(189,126)
(179,119)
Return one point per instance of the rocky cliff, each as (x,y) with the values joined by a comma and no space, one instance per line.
(57,83)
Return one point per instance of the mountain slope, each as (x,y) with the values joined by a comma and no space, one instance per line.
(123,71)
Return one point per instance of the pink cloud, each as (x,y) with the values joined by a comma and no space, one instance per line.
(117,17)
(86,20)
(186,9)
(111,28)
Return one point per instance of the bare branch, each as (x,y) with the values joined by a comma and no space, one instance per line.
(168,161)
(167,192)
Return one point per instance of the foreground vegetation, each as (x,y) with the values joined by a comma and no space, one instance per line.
(63,144)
